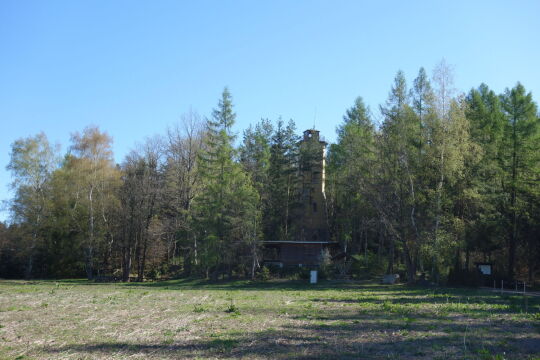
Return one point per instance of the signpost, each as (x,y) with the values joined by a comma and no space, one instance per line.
(313,277)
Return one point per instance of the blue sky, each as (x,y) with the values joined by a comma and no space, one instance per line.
(133,67)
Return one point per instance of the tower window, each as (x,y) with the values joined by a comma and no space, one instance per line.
(314,207)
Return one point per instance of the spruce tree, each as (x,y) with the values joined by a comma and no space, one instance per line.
(227,211)
(396,198)
(350,163)
(282,195)
(484,176)
(520,161)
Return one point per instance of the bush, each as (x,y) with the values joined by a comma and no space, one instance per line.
(153,274)
(326,270)
(264,274)
(233,309)
(367,266)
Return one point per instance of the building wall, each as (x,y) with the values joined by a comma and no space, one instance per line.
(314,214)
(294,253)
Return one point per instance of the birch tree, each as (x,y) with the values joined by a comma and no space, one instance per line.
(95,180)
(32,163)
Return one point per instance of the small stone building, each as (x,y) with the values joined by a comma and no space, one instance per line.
(312,217)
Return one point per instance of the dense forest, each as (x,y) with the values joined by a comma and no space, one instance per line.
(430,183)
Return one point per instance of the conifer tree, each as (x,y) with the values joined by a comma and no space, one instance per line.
(282,195)
(227,207)
(396,198)
(484,176)
(255,155)
(520,161)
(350,163)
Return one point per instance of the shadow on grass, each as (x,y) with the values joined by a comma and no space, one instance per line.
(450,302)
(351,292)
(229,285)
(315,342)
(285,285)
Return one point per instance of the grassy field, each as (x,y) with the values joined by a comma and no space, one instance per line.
(275,320)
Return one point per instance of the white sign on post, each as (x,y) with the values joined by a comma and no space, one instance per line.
(485,269)
(313,279)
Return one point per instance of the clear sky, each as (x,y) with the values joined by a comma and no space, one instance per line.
(133,67)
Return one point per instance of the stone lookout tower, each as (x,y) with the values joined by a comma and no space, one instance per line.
(314,215)
(311,219)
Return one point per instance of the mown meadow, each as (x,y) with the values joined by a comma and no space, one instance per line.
(78,319)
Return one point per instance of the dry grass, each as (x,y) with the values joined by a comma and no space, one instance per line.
(276,320)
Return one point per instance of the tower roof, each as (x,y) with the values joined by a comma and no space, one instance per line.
(312,134)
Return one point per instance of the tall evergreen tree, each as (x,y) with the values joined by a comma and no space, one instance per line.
(396,197)
(255,154)
(422,96)
(282,189)
(227,206)
(350,164)
(484,176)
(520,161)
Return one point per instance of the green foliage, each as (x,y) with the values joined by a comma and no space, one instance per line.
(264,274)
(227,211)
(154,274)
(233,309)
(33,161)
(440,182)
(199,308)
(283,187)
(326,268)
(349,176)
(367,266)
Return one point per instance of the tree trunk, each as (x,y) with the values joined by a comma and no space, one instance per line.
(126,263)
(437,217)
(254,258)
(30,263)
(390,268)
(411,270)
(138,253)
(253,264)
(513,230)
(29,266)
(89,254)
(90,248)
(142,264)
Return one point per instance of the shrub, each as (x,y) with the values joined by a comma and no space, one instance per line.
(233,309)
(326,270)
(153,274)
(367,266)
(264,274)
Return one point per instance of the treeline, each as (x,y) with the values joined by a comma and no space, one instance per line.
(441,181)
